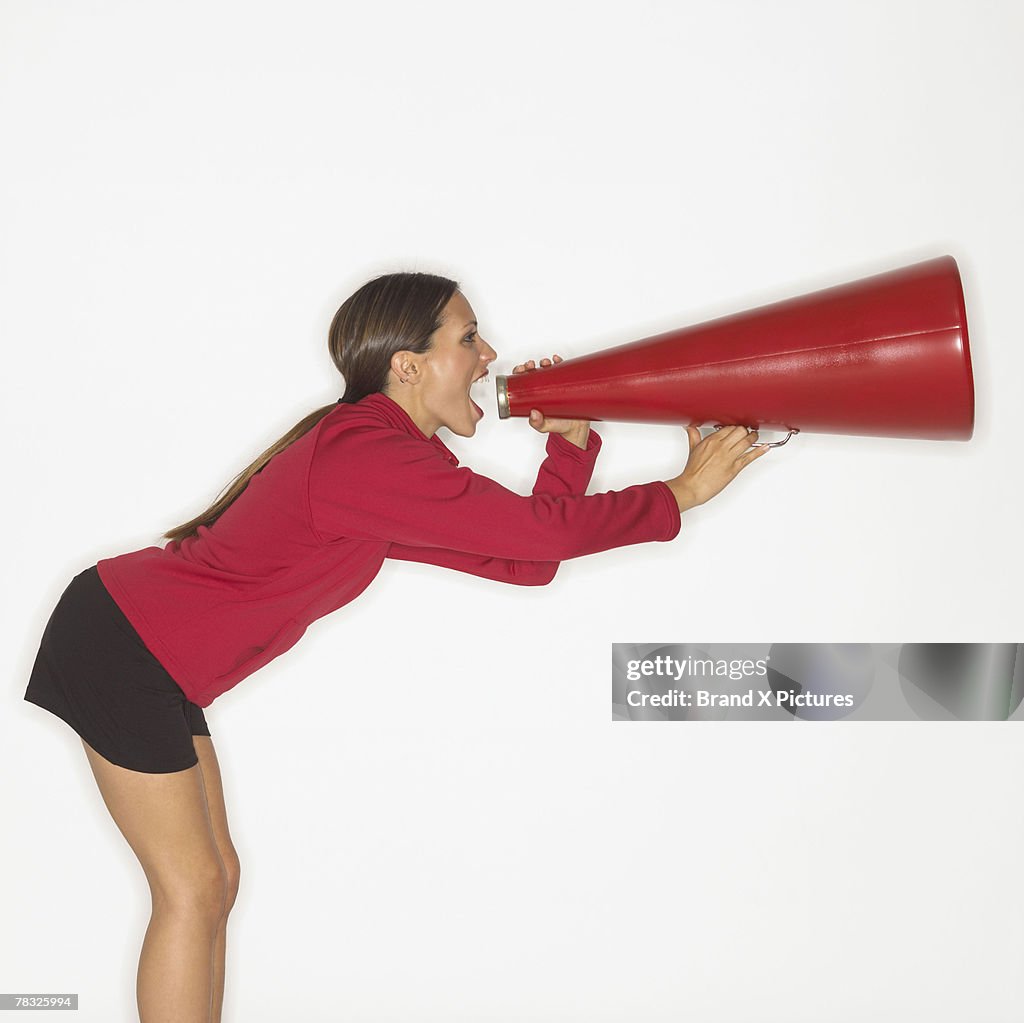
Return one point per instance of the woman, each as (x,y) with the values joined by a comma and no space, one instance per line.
(140,643)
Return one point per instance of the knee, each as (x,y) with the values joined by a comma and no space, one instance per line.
(232,872)
(202,893)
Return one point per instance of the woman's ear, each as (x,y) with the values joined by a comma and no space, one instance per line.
(403,365)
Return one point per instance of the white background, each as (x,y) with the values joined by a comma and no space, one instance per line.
(437,819)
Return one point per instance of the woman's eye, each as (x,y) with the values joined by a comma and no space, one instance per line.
(469,337)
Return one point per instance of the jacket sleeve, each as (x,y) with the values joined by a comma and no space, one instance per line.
(379,483)
(567,469)
(502,570)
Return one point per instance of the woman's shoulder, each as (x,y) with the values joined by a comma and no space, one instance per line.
(379,426)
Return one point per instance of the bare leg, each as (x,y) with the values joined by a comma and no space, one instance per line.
(218,818)
(166,821)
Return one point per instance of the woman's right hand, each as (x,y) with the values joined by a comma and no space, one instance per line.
(713,464)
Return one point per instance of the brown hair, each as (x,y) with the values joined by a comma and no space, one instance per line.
(391,313)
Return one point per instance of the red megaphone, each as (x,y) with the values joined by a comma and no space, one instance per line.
(884,356)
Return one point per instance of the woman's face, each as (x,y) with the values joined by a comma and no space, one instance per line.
(436,388)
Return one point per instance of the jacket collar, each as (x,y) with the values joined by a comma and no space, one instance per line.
(396,416)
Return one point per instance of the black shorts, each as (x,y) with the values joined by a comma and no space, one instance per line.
(94,672)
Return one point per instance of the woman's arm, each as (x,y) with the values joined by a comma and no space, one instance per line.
(377,482)
(567,469)
(502,570)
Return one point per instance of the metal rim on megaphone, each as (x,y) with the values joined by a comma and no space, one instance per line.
(501,386)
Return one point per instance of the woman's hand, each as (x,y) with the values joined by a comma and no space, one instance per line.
(575,431)
(713,464)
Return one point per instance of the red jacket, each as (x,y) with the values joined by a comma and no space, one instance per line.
(312,529)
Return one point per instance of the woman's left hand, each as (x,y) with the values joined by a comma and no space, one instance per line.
(575,431)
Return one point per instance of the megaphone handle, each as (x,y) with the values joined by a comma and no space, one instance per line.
(765,444)
(775,443)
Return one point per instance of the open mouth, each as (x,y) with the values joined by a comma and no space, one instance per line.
(479,379)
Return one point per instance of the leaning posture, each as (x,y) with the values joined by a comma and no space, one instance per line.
(141,643)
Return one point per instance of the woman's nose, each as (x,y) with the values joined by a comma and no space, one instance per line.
(488,354)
